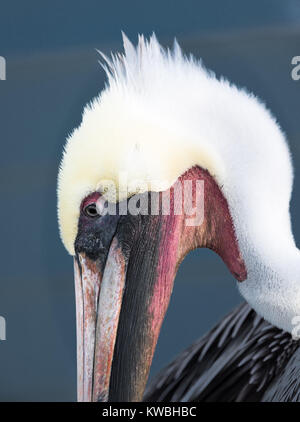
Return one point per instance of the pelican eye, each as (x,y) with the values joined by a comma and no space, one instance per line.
(91,210)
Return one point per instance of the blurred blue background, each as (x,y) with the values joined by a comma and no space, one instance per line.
(52,71)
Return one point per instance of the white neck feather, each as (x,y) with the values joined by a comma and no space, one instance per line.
(273,284)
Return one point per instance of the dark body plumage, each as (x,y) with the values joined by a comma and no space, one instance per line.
(243,358)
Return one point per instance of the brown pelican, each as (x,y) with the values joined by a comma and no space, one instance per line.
(162,124)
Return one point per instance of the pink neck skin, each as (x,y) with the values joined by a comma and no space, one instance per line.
(216,232)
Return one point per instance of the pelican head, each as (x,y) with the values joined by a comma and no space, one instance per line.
(166,159)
